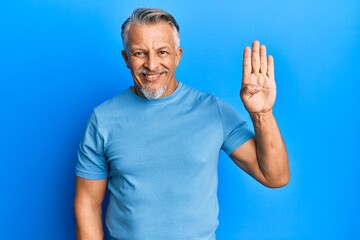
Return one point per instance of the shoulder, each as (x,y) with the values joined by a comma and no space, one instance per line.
(195,94)
(114,103)
(208,98)
(212,102)
(111,110)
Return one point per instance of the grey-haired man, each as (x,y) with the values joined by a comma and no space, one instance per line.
(156,145)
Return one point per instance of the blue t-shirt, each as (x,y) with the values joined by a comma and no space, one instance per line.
(161,160)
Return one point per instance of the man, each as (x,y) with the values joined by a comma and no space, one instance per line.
(156,145)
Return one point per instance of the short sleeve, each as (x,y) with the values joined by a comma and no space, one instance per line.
(92,162)
(235,129)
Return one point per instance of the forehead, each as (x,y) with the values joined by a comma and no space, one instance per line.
(149,35)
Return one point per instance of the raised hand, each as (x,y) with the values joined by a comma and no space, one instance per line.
(258,90)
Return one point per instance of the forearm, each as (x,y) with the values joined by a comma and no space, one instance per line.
(89,224)
(270,148)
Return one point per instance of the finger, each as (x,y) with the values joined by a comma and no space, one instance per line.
(263,60)
(247,63)
(255,57)
(270,67)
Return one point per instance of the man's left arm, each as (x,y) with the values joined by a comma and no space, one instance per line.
(264,157)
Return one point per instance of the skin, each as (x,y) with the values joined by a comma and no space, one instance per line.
(152,48)
(89,196)
(264,157)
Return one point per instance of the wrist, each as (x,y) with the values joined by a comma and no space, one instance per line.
(261,115)
(261,119)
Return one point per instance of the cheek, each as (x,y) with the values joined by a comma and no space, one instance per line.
(136,62)
(134,65)
(171,63)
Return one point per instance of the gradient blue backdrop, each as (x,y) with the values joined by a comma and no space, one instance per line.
(60,58)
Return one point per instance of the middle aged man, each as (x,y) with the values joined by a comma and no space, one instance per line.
(157,143)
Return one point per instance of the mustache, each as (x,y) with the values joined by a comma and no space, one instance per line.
(146,71)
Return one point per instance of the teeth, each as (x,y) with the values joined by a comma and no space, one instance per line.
(152,76)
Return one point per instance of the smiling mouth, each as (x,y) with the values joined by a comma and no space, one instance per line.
(152,77)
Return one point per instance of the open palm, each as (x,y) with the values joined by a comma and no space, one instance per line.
(258,90)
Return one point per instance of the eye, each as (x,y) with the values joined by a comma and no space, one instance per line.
(139,54)
(163,53)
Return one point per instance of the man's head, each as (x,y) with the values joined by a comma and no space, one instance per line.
(151,51)
(149,16)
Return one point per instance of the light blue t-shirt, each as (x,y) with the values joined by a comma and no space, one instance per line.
(161,160)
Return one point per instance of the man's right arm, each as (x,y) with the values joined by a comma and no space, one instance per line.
(88,208)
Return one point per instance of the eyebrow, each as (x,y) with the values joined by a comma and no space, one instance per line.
(136,49)
(167,47)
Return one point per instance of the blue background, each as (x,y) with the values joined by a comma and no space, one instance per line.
(60,58)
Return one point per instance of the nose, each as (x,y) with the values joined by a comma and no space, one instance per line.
(151,62)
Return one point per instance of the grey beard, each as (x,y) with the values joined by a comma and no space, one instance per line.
(158,92)
(153,94)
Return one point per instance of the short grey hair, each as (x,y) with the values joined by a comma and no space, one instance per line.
(149,16)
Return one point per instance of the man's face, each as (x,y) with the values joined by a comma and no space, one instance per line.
(152,57)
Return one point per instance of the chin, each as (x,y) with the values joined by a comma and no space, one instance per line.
(154,94)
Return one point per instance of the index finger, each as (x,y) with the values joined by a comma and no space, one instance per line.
(270,67)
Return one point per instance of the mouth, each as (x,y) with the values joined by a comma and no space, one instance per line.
(151,76)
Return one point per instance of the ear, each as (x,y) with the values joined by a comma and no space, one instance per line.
(125,57)
(178,56)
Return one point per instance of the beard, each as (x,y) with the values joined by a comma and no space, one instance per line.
(153,94)
(146,90)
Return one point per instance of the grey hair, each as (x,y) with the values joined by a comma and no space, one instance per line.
(149,16)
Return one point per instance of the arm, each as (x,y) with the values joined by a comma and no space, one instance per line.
(88,208)
(263,157)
